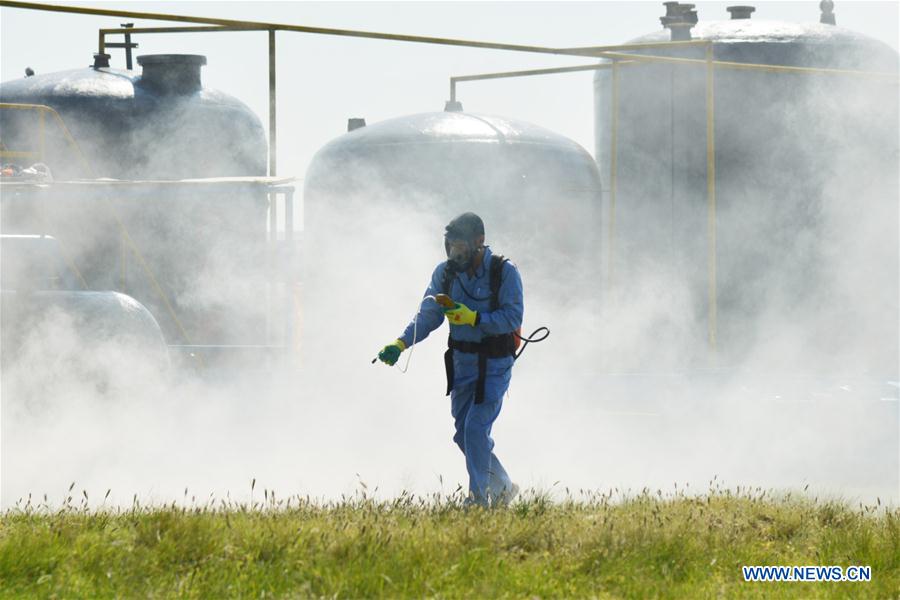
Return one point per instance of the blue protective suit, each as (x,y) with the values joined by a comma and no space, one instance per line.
(474,421)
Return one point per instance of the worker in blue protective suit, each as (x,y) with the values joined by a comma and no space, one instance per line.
(485,319)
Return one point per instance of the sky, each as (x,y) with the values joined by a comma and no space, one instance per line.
(324,80)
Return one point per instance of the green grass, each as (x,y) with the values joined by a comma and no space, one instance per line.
(644,546)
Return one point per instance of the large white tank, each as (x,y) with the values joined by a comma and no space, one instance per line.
(792,151)
(536,190)
(377,198)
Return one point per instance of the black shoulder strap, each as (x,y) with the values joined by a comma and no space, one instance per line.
(497,261)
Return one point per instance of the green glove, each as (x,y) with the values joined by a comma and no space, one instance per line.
(462,315)
(390,353)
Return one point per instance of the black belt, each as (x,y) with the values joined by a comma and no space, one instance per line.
(495,346)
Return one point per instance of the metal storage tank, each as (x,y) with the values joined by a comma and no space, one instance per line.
(536,190)
(53,332)
(203,239)
(160,123)
(792,149)
(377,199)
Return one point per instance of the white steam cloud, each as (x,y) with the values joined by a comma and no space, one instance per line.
(580,412)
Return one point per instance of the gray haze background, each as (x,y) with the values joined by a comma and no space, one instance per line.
(336,419)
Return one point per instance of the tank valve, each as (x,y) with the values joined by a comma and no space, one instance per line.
(101,61)
(827,8)
(741,12)
(453,106)
(679,19)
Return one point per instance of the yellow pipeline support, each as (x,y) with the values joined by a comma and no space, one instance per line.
(273,163)
(613,168)
(41,127)
(123,263)
(711,197)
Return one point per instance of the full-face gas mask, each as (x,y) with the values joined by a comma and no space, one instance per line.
(461,240)
(460,253)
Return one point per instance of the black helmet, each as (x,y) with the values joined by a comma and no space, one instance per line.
(466,226)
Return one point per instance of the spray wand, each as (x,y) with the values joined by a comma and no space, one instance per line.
(443,300)
(446,302)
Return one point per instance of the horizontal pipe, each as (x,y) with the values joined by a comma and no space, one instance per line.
(594,50)
(18,154)
(197,29)
(550,71)
(278,27)
(746,66)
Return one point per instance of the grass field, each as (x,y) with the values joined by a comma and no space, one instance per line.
(644,546)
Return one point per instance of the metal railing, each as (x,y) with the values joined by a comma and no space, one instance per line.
(42,112)
(128,241)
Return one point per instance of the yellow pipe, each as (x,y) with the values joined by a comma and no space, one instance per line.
(123,262)
(272,256)
(613,167)
(595,50)
(17,154)
(746,66)
(41,127)
(193,29)
(281,27)
(273,129)
(529,72)
(711,198)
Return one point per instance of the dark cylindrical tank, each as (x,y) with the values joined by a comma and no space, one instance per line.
(793,151)
(160,123)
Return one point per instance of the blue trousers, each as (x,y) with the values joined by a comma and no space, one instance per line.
(487,477)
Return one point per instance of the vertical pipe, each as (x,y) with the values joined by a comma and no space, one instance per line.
(273,198)
(128,64)
(289,265)
(123,264)
(272,121)
(101,43)
(273,261)
(672,155)
(711,198)
(452,90)
(42,130)
(613,167)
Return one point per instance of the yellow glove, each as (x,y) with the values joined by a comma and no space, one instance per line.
(390,353)
(462,315)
